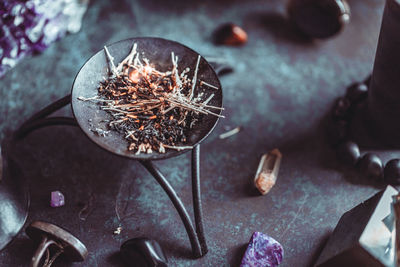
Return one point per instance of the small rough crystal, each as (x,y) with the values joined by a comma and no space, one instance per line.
(267,171)
(262,251)
(57,199)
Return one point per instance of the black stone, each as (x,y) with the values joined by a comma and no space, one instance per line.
(357,92)
(371,166)
(341,110)
(349,153)
(143,252)
(392,172)
(319,18)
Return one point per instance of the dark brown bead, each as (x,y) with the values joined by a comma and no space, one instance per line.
(230,34)
(371,166)
(319,18)
(392,172)
(349,153)
(357,92)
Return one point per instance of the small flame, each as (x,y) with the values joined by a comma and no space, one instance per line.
(148,69)
(134,76)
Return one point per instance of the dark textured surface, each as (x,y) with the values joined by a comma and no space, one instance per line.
(280,92)
(14,198)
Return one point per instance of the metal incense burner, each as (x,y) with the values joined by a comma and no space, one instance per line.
(86,114)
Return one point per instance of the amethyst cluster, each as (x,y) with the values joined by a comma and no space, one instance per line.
(28,26)
(262,251)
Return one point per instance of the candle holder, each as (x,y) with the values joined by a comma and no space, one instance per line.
(87,115)
(369,111)
(61,241)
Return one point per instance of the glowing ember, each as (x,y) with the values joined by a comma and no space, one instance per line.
(134,76)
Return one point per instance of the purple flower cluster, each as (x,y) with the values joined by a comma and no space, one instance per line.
(262,251)
(28,26)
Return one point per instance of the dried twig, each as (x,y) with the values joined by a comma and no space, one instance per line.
(110,60)
(230,133)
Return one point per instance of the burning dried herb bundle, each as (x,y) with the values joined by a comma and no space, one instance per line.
(153,109)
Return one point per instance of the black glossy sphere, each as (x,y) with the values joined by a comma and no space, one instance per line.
(371,166)
(143,252)
(392,172)
(319,18)
(357,92)
(349,153)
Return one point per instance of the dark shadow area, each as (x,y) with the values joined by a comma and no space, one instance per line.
(115,259)
(250,189)
(320,247)
(362,131)
(174,247)
(238,253)
(116,6)
(23,247)
(279,26)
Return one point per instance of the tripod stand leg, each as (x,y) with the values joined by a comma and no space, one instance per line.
(194,241)
(196,191)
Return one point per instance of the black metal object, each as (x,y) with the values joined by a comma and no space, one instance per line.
(143,252)
(193,235)
(319,18)
(49,235)
(196,192)
(364,235)
(157,51)
(384,93)
(87,114)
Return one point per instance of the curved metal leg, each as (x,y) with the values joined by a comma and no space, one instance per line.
(194,241)
(39,120)
(50,109)
(196,192)
(26,129)
(43,247)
